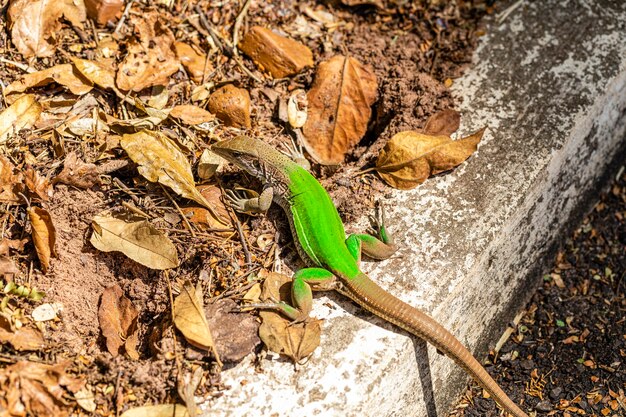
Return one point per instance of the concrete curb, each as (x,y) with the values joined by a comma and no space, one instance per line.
(550,82)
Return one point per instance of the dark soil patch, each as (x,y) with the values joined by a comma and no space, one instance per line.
(569,349)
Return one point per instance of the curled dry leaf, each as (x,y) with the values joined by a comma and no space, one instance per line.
(86,399)
(297,109)
(96,72)
(194,62)
(151,58)
(11,182)
(34,23)
(187,386)
(409,158)
(118,322)
(189,318)
(191,115)
(339,108)
(15,244)
(8,266)
(44,235)
(24,338)
(37,184)
(203,217)
(208,164)
(135,238)
(278,55)
(280,335)
(22,114)
(161,410)
(37,389)
(78,173)
(160,160)
(231,105)
(63,74)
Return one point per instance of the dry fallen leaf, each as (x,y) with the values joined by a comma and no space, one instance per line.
(278,55)
(78,173)
(8,266)
(16,244)
(118,322)
(44,235)
(191,115)
(339,108)
(189,318)
(22,114)
(187,386)
(161,410)
(63,74)
(86,399)
(443,123)
(11,182)
(24,338)
(46,312)
(281,335)
(34,23)
(151,58)
(409,158)
(96,72)
(37,184)
(160,160)
(37,389)
(203,217)
(208,164)
(231,105)
(194,62)
(135,238)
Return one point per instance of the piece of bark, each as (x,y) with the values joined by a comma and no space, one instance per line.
(278,55)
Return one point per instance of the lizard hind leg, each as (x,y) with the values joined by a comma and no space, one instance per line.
(379,245)
(305,281)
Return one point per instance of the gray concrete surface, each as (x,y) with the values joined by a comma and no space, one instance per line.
(550,82)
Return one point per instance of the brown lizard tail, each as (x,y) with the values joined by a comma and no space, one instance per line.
(370,296)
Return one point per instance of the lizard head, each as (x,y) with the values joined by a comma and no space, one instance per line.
(249,154)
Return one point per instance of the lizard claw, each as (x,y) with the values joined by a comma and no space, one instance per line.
(236,200)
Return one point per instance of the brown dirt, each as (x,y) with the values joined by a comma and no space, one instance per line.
(414,48)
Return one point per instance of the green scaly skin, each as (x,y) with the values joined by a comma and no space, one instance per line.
(334,260)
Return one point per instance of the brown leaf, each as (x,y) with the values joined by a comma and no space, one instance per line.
(118,322)
(34,23)
(191,115)
(11,183)
(22,114)
(37,389)
(194,62)
(8,266)
(280,335)
(409,158)
(339,108)
(6,244)
(443,123)
(24,338)
(44,235)
(103,11)
(64,74)
(150,59)
(36,184)
(96,72)
(231,105)
(189,318)
(278,55)
(203,217)
(78,173)
(160,160)
(135,238)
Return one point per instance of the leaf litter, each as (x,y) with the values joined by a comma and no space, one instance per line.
(105,139)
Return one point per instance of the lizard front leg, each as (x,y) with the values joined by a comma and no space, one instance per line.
(258,204)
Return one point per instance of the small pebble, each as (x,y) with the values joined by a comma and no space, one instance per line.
(544,406)
(555,393)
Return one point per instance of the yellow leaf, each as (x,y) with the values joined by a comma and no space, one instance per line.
(95,72)
(44,235)
(160,160)
(20,115)
(161,410)
(189,317)
(135,238)
(63,74)
(409,158)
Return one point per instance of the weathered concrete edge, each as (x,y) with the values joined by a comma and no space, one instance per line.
(524,251)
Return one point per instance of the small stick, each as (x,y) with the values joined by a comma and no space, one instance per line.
(185,220)
(126,11)
(238,22)
(244,244)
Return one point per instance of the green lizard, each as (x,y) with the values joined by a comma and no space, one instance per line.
(320,239)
